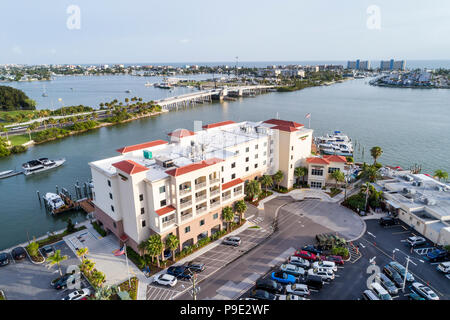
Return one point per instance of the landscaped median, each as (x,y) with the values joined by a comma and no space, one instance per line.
(33,253)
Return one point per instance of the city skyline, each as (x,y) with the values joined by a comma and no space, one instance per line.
(92,33)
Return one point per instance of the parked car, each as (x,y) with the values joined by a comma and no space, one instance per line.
(292,269)
(416,241)
(369,295)
(380,291)
(387,284)
(313,281)
(269,285)
(298,289)
(306,255)
(18,253)
(325,264)
(388,221)
(326,274)
(415,296)
(181,272)
(444,267)
(262,295)
(78,294)
(165,280)
(336,259)
(61,282)
(195,266)
(4,259)
(232,241)
(424,291)
(401,270)
(438,255)
(299,262)
(289,297)
(312,249)
(393,275)
(47,251)
(283,277)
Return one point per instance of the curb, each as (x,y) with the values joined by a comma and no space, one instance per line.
(33,262)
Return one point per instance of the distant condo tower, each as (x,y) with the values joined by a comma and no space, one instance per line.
(391,65)
(358,65)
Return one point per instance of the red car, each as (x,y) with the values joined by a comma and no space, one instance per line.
(336,259)
(306,255)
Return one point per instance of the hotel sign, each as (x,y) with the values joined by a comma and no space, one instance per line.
(303,138)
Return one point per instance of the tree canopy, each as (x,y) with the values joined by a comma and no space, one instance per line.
(15,99)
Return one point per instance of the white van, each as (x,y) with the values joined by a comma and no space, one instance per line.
(444,267)
(380,291)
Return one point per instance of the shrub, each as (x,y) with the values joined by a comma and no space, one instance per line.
(139,261)
(340,251)
(33,249)
(99,229)
(70,226)
(18,149)
(356,202)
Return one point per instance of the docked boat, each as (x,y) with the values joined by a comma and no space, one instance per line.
(53,201)
(127,91)
(336,143)
(40,165)
(148,84)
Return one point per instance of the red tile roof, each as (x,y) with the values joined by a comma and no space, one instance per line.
(165,210)
(317,160)
(129,166)
(181,133)
(284,123)
(335,158)
(141,146)
(192,167)
(218,124)
(285,128)
(232,183)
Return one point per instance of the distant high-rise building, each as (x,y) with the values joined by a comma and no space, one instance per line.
(393,65)
(358,65)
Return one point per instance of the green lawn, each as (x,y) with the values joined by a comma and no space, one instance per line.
(19,139)
(4,114)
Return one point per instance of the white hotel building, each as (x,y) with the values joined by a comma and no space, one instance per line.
(180,187)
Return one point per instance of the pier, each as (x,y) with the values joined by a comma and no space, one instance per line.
(192,99)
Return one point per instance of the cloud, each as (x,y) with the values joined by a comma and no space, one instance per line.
(17,50)
(185,41)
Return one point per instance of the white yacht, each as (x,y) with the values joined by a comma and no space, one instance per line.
(336,143)
(53,201)
(40,165)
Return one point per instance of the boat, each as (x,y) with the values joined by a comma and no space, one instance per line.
(40,165)
(128,91)
(53,201)
(148,84)
(335,144)
(44,94)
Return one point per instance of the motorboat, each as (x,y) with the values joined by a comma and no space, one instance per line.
(53,201)
(336,143)
(40,165)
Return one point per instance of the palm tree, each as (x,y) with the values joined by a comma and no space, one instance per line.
(83,252)
(278,177)
(371,173)
(266,181)
(441,174)
(338,176)
(155,247)
(300,172)
(172,243)
(56,258)
(253,189)
(366,188)
(228,216)
(240,207)
(376,152)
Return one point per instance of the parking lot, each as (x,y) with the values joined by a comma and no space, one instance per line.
(377,246)
(23,280)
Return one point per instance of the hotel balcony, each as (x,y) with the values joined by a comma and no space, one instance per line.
(200,198)
(212,193)
(185,204)
(168,223)
(200,185)
(226,198)
(214,181)
(215,202)
(185,215)
(201,208)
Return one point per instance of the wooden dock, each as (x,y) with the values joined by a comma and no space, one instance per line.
(86,205)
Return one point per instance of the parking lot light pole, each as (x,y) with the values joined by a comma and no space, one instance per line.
(408,260)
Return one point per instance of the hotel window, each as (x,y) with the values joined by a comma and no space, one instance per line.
(265,144)
(331,170)
(236,152)
(291,166)
(317,172)
(233,176)
(142,210)
(114,225)
(315,184)
(222,180)
(109,183)
(246,169)
(264,163)
(256,156)
(141,197)
(265,153)
(187,229)
(247,159)
(222,168)
(256,147)
(292,157)
(112,208)
(202,222)
(162,203)
(233,165)
(143,223)
(215,215)
(247,149)
(162,189)
(256,165)
(110,195)
(292,148)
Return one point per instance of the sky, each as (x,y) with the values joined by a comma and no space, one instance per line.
(138,31)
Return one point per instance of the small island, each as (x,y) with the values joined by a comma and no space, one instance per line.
(437,79)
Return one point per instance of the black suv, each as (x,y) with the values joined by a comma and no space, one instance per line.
(262,295)
(61,283)
(4,260)
(18,253)
(269,285)
(388,221)
(181,272)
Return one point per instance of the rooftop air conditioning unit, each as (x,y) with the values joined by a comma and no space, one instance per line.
(430,201)
(414,183)
(420,183)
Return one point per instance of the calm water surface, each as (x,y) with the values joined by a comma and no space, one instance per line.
(412,126)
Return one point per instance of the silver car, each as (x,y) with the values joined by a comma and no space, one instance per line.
(232,241)
(387,284)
